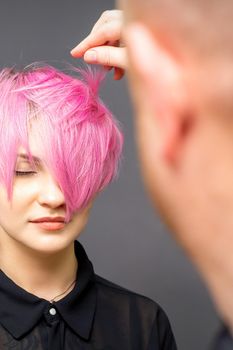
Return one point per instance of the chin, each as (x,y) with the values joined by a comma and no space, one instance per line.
(50,244)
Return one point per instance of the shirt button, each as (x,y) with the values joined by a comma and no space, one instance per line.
(52,311)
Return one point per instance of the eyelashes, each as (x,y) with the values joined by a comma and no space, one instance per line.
(25,173)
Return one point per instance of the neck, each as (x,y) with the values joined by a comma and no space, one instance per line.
(45,276)
(207,237)
(216,265)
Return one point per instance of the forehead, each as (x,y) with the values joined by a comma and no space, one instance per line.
(22,155)
(34,143)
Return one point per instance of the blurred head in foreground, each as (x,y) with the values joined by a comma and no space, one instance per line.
(181,79)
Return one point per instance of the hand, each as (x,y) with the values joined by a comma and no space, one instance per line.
(103,45)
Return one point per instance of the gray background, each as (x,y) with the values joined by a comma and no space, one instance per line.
(126,241)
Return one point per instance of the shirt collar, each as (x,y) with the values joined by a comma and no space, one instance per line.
(20,311)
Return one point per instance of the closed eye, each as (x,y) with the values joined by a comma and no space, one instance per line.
(24,173)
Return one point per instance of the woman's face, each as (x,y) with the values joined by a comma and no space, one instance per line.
(37,196)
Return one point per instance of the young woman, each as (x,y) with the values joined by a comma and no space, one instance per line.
(59,147)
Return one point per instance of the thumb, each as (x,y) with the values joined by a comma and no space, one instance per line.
(107,56)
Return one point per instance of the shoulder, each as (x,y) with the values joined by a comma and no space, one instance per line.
(123,294)
(223,340)
(141,313)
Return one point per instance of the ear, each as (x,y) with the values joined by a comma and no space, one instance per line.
(160,87)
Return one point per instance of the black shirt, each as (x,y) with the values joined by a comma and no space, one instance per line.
(223,340)
(96,314)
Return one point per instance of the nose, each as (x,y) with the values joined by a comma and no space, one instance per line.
(50,194)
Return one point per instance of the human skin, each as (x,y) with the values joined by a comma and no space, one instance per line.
(188,179)
(76,144)
(104,45)
(42,262)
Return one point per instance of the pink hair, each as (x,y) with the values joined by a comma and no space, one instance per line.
(81,140)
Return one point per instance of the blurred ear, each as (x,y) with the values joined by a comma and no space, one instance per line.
(158,88)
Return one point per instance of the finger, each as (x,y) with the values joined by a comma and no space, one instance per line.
(108,32)
(107,56)
(107,16)
(98,24)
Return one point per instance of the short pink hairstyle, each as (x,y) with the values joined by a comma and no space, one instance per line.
(81,140)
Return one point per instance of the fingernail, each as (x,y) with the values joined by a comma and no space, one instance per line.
(72,51)
(91,56)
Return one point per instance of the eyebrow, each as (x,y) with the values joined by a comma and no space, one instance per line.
(26,157)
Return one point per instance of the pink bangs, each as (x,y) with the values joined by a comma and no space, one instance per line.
(80,139)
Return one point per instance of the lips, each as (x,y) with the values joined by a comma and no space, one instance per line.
(50,219)
(50,223)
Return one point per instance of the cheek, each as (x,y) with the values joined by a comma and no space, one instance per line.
(148,141)
(24,193)
(6,212)
(150,155)
(4,202)
(80,220)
